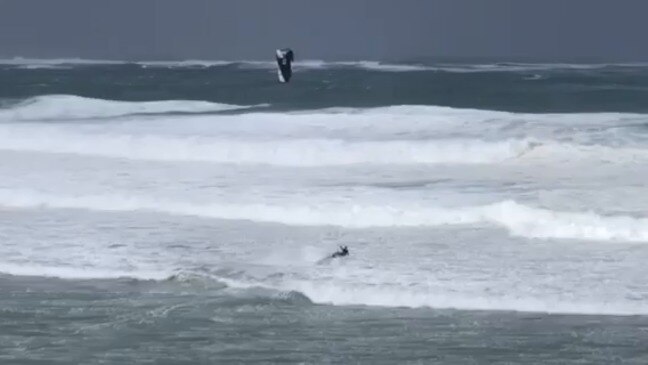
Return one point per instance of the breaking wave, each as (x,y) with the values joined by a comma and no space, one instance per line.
(414,296)
(279,152)
(70,107)
(516,218)
(71,272)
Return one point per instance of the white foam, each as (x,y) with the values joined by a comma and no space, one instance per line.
(403,135)
(307,140)
(32,63)
(279,152)
(321,64)
(70,272)
(386,67)
(442,67)
(417,296)
(297,65)
(184,64)
(21,61)
(45,67)
(418,67)
(518,219)
(526,67)
(306,64)
(69,107)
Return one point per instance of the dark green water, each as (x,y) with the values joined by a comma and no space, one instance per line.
(48,321)
(519,88)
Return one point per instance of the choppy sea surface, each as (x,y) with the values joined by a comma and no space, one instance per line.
(181,213)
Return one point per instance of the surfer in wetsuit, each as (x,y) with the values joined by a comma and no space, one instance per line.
(344,251)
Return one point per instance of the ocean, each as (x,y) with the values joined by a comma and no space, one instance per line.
(182,213)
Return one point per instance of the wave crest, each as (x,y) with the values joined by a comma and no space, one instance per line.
(70,107)
(278,152)
(518,219)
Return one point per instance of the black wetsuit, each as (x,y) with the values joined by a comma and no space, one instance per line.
(343,252)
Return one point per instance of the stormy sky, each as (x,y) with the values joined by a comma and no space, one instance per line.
(325,29)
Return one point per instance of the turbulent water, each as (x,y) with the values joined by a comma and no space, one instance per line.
(179,212)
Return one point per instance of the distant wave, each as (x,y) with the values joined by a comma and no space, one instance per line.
(303,64)
(52,107)
(67,107)
(367,65)
(516,218)
(32,63)
(184,64)
(21,61)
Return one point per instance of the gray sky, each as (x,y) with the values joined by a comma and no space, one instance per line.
(325,29)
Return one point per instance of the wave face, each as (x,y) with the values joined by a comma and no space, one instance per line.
(449,194)
(70,107)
